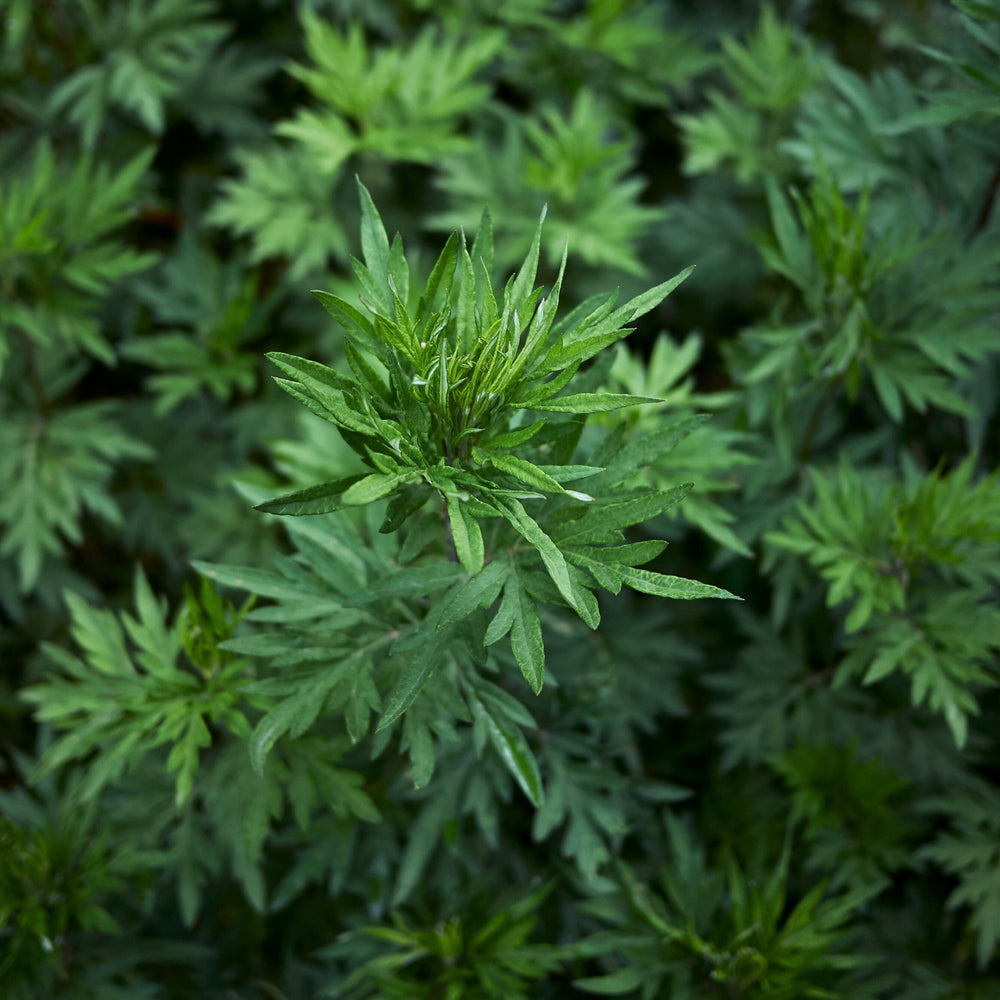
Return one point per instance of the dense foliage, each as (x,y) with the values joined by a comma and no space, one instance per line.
(343,652)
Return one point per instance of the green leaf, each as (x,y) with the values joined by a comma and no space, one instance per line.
(648,300)
(258,581)
(466,534)
(466,327)
(416,672)
(592,402)
(479,591)
(374,487)
(525,280)
(306,371)
(605,518)
(518,615)
(411,581)
(327,406)
(482,245)
(552,558)
(522,470)
(374,242)
(626,980)
(511,439)
(670,586)
(319,499)
(510,744)
(443,271)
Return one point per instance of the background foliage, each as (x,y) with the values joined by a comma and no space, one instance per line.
(262,756)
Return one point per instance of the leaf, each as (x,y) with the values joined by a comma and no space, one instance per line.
(605,518)
(518,615)
(306,370)
(670,586)
(319,499)
(292,715)
(466,534)
(552,558)
(644,451)
(411,581)
(524,471)
(416,671)
(525,280)
(374,242)
(443,271)
(650,299)
(258,581)
(482,245)
(422,839)
(374,487)
(327,407)
(618,983)
(351,319)
(591,402)
(510,744)
(511,439)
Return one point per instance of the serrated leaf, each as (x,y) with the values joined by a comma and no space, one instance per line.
(611,516)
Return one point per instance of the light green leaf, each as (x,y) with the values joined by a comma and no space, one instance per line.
(592,402)
(374,242)
(522,470)
(466,534)
(374,487)
(552,558)
(670,586)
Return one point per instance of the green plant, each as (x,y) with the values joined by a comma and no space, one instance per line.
(439,405)
(448,740)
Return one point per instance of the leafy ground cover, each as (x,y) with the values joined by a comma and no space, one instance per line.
(499,500)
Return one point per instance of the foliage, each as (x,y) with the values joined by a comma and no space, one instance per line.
(146,51)
(970,852)
(485,956)
(359,681)
(942,527)
(721,927)
(566,161)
